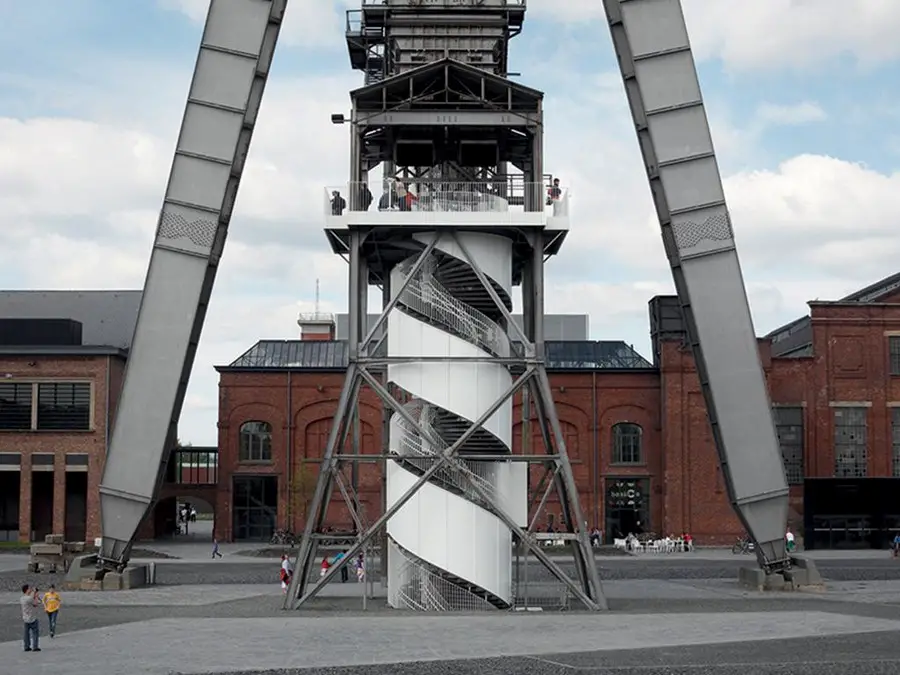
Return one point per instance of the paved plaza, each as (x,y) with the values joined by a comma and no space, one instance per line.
(656,626)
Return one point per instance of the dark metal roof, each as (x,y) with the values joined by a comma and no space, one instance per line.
(332,355)
(108,318)
(64,350)
(794,339)
(876,291)
(454,68)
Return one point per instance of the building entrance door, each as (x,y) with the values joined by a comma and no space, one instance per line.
(627,507)
(254,507)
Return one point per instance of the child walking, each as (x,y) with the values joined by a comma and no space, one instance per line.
(52,603)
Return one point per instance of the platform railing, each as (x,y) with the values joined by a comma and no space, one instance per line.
(417,196)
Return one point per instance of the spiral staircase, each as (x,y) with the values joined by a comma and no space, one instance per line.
(446,550)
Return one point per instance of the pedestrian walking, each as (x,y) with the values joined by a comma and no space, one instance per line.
(285,573)
(345,570)
(215,551)
(30,602)
(52,603)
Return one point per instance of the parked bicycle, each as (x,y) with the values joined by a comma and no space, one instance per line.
(283,538)
(743,546)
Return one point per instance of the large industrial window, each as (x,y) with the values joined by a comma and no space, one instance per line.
(64,406)
(256,442)
(894,353)
(15,406)
(789,425)
(850,439)
(626,439)
(895,445)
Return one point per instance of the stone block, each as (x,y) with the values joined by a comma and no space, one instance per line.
(112,582)
(133,576)
(774,582)
(808,565)
(82,567)
(752,578)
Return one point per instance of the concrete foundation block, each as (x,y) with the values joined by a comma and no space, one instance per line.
(91,585)
(775,582)
(752,578)
(803,576)
(134,576)
(112,582)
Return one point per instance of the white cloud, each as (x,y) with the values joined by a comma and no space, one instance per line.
(771,33)
(799,113)
(79,198)
(307,23)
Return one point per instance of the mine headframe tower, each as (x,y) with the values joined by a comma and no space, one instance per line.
(439,114)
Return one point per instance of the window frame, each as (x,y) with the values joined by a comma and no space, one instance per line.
(893,349)
(784,425)
(895,442)
(35,386)
(619,436)
(246,451)
(76,398)
(16,387)
(849,462)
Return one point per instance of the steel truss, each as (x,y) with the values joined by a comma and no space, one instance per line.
(366,369)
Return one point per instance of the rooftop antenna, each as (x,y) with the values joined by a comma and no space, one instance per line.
(317,297)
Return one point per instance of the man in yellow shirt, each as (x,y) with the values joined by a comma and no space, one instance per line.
(52,602)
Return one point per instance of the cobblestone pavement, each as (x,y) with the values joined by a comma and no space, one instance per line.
(278,644)
(241,628)
(662,567)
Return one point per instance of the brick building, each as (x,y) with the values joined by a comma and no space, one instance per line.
(632,427)
(62,360)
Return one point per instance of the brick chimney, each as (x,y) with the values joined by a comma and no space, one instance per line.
(316,326)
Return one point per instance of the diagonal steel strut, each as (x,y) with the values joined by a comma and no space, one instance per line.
(443,459)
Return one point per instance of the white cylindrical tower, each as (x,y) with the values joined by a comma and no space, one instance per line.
(446,551)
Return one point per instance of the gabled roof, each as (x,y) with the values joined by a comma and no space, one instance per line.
(463,71)
(876,291)
(322,355)
(795,338)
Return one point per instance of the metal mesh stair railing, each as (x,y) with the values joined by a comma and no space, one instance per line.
(425,296)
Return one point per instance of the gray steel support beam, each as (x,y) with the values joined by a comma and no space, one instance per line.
(445,457)
(654,53)
(426,118)
(229,79)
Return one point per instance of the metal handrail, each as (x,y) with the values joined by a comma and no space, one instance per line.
(428,297)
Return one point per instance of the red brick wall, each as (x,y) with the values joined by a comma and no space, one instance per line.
(695,497)
(686,485)
(852,365)
(93,443)
(264,396)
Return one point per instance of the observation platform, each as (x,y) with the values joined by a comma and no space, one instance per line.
(399,210)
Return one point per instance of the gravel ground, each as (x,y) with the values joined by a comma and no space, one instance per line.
(866,654)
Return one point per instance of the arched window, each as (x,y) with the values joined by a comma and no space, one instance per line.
(255,442)
(627,443)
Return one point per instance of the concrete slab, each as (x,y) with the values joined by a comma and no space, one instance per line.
(165,646)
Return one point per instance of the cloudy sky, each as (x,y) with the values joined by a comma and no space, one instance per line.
(803,97)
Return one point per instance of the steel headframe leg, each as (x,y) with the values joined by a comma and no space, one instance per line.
(586,564)
(318,508)
(445,457)
(591,593)
(450,454)
(340,427)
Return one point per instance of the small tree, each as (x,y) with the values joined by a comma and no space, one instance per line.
(303,483)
